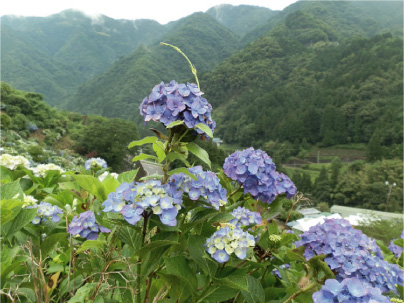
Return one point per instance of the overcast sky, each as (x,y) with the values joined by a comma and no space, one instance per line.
(162,11)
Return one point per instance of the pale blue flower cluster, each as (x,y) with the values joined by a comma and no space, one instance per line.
(95,163)
(227,240)
(396,250)
(207,187)
(151,197)
(86,226)
(350,253)
(173,101)
(46,211)
(245,217)
(350,290)
(255,170)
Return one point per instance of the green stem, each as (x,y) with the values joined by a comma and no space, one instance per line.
(193,69)
(139,262)
(310,286)
(167,150)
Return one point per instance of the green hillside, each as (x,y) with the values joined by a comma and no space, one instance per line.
(119,91)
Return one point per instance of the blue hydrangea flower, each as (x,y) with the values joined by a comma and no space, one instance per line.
(350,290)
(46,211)
(170,102)
(227,240)
(255,170)
(396,250)
(207,187)
(151,197)
(85,226)
(350,253)
(122,196)
(245,217)
(95,163)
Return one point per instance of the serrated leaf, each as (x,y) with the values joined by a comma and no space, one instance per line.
(178,266)
(235,281)
(8,191)
(128,176)
(146,140)
(197,251)
(205,129)
(92,185)
(90,244)
(218,294)
(130,236)
(199,152)
(175,123)
(153,245)
(51,241)
(143,156)
(255,292)
(23,218)
(158,147)
(175,155)
(182,170)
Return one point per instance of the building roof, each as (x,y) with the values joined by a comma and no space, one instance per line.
(347,211)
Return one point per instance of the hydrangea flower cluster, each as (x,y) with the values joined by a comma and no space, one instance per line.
(350,254)
(40,170)
(28,200)
(85,226)
(11,162)
(46,211)
(207,187)
(396,250)
(255,170)
(227,240)
(173,101)
(245,217)
(350,290)
(132,200)
(95,163)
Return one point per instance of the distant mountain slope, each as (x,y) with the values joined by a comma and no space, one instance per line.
(119,91)
(348,18)
(84,45)
(241,19)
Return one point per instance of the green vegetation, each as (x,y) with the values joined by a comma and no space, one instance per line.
(26,115)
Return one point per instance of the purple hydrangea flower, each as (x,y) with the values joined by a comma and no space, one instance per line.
(95,163)
(245,217)
(350,290)
(85,226)
(46,211)
(396,250)
(227,240)
(207,187)
(350,253)
(134,200)
(173,101)
(255,170)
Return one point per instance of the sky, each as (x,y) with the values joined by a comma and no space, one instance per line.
(163,11)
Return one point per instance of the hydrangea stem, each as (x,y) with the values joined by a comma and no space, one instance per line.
(193,69)
(139,262)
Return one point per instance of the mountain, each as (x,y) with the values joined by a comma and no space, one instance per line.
(348,18)
(119,91)
(321,91)
(241,19)
(69,41)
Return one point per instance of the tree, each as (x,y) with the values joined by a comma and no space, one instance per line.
(335,170)
(374,150)
(322,186)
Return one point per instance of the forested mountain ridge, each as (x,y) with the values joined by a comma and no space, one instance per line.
(131,78)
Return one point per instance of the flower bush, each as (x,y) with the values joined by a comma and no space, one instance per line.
(188,235)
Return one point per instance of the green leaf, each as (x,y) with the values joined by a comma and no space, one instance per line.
(399,242)
(146,140)
(199,152)
(205,129)
(8,191)
(6,175)
(153,245)
(127,176)
(197,252)
(182,170)
(23,218)
(51,241)
(178,266)
(235,281)
(143,156)
(130,236)
(158,147)
(110,184)
(175,155)
(83,293)
(90,245)
(218,294)
(92,185)
(255,292)
(9,210)
(175,123)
